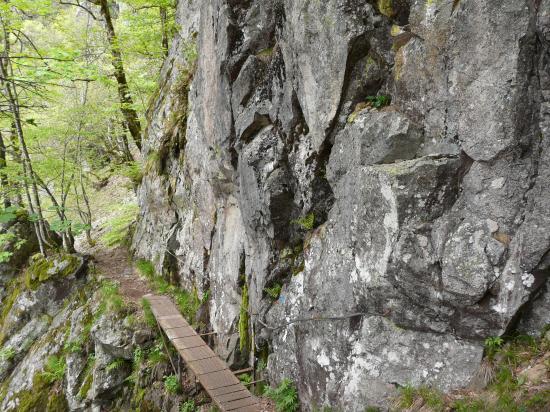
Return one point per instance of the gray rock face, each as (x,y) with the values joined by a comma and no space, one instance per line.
(401,236)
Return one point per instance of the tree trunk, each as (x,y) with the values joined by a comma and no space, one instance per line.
(126,102)
(164,30)
(16,157)
(3,175)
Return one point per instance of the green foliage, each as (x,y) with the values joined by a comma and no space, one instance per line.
(430,397)
(285,396)
(379,101)
(492,345)
(469,405)
(245,378)
(54,370)
(188,302)
(146,268)
(116,364)
(307,222)
(9,214)
(244,333)
(148,313)
(111,300)
(86,386)
(156,354)
(9,243)
(188,406)
(73,346)
(118,229)
(274,291)
(13,292)
(6,354)
(41,397)
(172,384)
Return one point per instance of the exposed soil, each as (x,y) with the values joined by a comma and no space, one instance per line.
(116,265)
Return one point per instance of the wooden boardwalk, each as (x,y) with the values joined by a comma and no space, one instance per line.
(227,392)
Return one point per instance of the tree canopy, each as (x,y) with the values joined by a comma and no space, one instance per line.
(76,78)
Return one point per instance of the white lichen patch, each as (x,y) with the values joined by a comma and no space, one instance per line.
(527,279)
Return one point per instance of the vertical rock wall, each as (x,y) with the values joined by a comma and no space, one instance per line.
(401,236)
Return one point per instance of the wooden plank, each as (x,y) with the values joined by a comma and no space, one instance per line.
(172,322)
(233,396)
(251,408)
(214,375)
(189,342)
(164,311)
(182,332)
(218,379)
(208,365)
(233,405)
(196,353)
(227,389)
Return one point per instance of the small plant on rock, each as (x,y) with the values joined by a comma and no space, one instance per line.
(6,354)
(172,384)
(379,101)
(116,364)
(492,346)
(188,406)
(274,291)
(285,396)
(54,370)
(307,222)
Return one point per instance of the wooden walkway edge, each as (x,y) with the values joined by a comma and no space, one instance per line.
(226,391)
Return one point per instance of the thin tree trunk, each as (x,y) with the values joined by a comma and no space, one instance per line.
(126,103)
(16,157)
(3,175)
(11,94)
(164,29)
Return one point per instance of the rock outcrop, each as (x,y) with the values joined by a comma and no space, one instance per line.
(376,173)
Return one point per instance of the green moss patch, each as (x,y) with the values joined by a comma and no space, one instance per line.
(43,268)
(42,397)
(244,332)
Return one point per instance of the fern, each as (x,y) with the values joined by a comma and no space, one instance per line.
(116,364)
(54,370)
(274,291)
(492,346)
(6,354)
(285,396)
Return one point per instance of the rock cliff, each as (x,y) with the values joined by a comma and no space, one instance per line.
(375,173)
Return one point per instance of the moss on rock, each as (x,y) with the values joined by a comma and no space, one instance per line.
(44,268)
(42,397)
(386,8)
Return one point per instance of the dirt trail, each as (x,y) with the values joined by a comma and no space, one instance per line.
(116,264)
